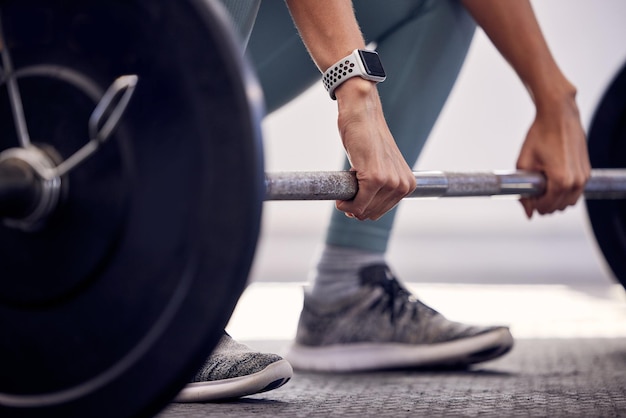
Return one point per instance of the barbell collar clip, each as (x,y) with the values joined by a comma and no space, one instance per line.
(27,197)
(102,122)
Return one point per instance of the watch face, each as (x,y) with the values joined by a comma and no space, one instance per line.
(372,63)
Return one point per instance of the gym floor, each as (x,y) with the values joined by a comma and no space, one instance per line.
(569,360)
(568,319)
(573,377)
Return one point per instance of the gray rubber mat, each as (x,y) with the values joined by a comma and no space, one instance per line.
(538,378)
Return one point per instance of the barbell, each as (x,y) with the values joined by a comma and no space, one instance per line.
(604,184)
(124,246)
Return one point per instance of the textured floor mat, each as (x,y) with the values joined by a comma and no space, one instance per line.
(539,378)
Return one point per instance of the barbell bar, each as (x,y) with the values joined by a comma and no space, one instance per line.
(20,189)
(343,185)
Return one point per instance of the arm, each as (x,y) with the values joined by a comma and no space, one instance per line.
(330,32)
(555,143)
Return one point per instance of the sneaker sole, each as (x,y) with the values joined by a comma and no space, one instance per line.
(368,357)
(272,377)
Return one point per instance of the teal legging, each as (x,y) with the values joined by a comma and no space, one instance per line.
(422,44)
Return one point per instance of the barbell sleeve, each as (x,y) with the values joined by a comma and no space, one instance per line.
(19,189)
(342,185)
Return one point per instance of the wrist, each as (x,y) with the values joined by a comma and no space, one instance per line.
(357,99)
(557,104)
(356,88)
(553,94)
(358,102)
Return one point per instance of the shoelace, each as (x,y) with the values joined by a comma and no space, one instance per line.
(398,299)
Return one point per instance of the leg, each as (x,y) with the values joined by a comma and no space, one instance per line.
(281,61)
(423,46)
(423,54)
(243,14)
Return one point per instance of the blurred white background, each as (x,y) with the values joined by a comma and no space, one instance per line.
(481,128)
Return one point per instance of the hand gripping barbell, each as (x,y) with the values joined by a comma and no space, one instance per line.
(131,189)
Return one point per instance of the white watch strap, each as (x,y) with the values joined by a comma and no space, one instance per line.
(341,71)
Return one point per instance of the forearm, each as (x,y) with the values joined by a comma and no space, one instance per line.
(330,32)
(555,143)
(512,27)
(328,29)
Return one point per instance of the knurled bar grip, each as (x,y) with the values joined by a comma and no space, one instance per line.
(342,185)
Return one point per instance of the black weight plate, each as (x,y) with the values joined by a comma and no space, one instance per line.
(55,261)
(111,307)
(607,149)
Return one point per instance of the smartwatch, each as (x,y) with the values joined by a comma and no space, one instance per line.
(363,63)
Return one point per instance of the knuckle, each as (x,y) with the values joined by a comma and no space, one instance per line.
(559,184)
(408,186)
(393,183)
(379,180)
(580,182)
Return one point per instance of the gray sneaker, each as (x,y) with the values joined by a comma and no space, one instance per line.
(234,370)
(383,326)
